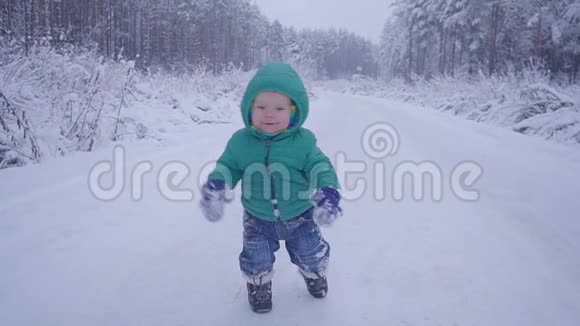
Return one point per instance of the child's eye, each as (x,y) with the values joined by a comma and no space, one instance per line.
(281,109)
(259,107)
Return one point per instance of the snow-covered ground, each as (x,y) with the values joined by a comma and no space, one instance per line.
(528,103)
(510,258)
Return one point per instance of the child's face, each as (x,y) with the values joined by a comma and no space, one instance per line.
(271,112)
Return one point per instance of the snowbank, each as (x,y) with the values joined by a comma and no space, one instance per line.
(528,104)
(55,103)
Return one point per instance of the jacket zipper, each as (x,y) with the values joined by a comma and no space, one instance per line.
(272,185)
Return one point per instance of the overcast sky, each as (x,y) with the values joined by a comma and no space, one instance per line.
(363,17)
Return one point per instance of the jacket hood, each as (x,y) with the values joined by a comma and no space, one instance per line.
(281,78)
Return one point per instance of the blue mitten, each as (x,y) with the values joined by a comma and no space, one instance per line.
(213,199)
(326,206)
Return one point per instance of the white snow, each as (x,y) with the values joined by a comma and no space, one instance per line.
(528,103)
(79,102)
(510,258)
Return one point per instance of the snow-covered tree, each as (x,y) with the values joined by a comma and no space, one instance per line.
(491,36)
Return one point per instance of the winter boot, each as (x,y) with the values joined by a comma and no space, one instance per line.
(260,297)
(318,287)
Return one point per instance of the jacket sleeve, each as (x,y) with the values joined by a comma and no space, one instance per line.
(319,169)
(227,167)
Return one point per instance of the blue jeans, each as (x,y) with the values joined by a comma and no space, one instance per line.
(304,243)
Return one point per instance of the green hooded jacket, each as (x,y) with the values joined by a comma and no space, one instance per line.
(278,172)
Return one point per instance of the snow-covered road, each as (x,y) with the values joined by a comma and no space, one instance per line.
(510,258)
